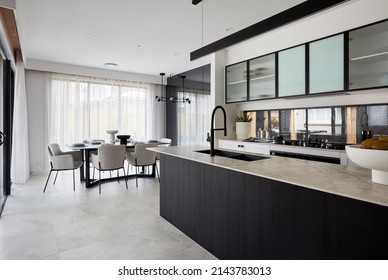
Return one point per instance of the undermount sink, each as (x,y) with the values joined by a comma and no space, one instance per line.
(258,140)
(233,155)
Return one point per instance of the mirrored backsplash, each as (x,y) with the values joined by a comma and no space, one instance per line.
(348,124)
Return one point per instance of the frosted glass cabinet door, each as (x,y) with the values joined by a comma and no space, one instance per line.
(236,82)
(292,71)
(262,77)
(327,64)
(368,56)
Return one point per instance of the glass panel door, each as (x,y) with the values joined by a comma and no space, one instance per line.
(292,71)
(236,82)
(262,77)
(327,64)
(368,56)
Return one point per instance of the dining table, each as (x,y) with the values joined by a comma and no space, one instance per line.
(86,149)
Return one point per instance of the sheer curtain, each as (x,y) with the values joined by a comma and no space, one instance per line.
(194,118)
(81,108)
(20,165)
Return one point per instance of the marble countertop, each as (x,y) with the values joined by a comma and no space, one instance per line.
(347,181)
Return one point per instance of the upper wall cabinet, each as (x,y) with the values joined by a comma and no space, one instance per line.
(292,71)
(353,60)
(368,56)
(326,65)
(262,82)
(236,82)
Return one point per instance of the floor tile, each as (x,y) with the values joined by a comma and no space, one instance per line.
(117,224)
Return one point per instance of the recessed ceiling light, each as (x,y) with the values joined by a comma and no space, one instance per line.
(89,35)
(229,29)
(111,64)
(139,46)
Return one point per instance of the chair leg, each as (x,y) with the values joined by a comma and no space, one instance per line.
(136,178)
(99,181)
(55,177)
(136,172)
(73,180)
(125,178)
(47,181)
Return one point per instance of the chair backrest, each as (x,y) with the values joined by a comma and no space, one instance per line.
(165,142)
(111,156)
(54,149)
(143,156)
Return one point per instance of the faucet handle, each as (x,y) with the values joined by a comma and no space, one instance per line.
(208,137)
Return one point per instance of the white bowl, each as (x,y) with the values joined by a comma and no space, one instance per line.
(373,159)
(112,131)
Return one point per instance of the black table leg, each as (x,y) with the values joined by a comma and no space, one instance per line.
(81,170)
(87,168)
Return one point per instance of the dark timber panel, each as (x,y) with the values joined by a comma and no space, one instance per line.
(239,216)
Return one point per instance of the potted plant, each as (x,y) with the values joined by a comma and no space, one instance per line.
(243,126)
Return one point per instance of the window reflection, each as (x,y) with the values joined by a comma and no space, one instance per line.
(333,124)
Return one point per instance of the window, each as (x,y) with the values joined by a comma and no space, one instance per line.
(193,119)
(378,115)
(81,108)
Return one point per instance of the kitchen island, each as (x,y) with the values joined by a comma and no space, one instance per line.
(273,208)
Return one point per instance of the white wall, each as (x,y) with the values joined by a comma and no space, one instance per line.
(37,124)
(344,17)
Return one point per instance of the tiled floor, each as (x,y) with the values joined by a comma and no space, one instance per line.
(62,224)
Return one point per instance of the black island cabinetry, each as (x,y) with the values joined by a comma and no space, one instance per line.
(235,215)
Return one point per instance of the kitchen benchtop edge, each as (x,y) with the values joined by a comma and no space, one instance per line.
(347,181)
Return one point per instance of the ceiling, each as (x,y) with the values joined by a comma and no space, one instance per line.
(140,36)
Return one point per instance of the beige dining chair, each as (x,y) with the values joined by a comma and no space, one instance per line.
(93,142)
(61,161)
(108,158)
(141,157)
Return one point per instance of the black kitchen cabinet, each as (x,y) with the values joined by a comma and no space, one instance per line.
(240,216)
(352,60)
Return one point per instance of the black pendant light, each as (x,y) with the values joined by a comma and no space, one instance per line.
(163,97)
(184,99)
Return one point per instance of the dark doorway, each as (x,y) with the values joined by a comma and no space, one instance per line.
(6,114)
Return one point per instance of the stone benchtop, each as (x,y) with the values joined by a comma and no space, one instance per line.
(347,181)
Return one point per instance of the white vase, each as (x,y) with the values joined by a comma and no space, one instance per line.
(242,130)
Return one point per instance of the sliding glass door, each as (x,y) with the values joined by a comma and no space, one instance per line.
(6,112)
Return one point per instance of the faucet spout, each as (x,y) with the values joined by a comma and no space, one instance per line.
(212,129)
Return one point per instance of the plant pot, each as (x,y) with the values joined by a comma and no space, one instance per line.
(243,130)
